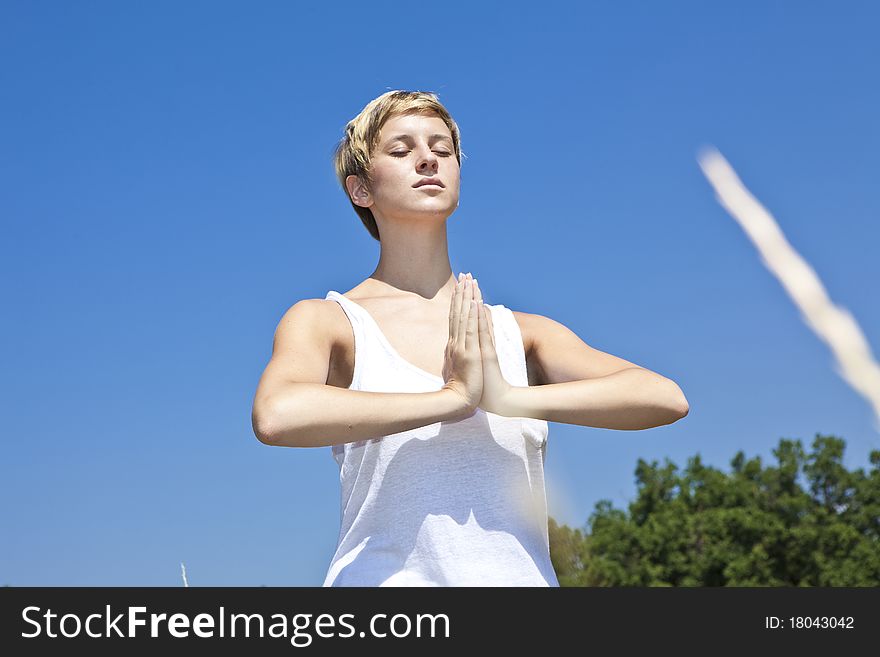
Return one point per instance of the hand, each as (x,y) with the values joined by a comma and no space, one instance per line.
(462,369)
(495,386)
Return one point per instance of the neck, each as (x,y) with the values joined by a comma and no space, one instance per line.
(416,260)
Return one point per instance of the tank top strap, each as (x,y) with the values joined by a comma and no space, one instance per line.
(509,345)
(359,325)
(512,360)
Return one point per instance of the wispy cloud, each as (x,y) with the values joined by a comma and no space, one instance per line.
(854,361)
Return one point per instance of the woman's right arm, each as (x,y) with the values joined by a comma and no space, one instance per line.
(294,407)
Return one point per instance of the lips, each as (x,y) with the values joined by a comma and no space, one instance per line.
(429,181)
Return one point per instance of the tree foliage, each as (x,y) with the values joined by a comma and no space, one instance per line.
(805,521)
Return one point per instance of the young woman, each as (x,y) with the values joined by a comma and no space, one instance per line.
(435,403)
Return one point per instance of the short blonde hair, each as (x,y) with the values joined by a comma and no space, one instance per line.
(355,149)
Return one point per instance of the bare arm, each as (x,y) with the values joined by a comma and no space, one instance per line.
(316,415)
(578,384)
(294,406)
(630,399)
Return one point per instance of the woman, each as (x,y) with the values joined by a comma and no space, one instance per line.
(435,403)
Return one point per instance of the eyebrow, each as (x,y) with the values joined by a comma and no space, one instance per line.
(408,138)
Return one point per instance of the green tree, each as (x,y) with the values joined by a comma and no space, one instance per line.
(752,526)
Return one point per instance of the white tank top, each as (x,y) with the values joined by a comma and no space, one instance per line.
(447,504)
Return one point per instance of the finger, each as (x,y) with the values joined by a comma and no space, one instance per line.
(477,311)
(453,310)
(478,294)
(490,328)
(483,329)
(487,344)
(473,337)
(467,295)
(459,306)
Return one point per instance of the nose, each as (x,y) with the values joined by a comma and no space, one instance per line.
(427,160)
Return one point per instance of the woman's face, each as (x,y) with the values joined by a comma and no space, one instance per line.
(411,149)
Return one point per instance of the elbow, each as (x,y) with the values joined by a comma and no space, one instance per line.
(261,431)
(261,424)
(271,424)
(682,411)
(670,415)
(679,403)
(683,406)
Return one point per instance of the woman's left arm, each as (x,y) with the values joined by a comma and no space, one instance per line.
(631,399)
(575,383)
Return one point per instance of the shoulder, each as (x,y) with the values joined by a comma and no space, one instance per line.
(323,317)
(537,329)
(309,310)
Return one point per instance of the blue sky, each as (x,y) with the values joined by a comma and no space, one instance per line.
(168,193)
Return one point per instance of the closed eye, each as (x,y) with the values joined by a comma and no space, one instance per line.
(401,153)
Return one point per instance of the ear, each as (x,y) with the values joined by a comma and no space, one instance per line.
(358,191)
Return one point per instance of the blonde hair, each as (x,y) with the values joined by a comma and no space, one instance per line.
(355,149)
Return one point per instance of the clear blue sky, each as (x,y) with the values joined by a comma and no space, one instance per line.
(167,193)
